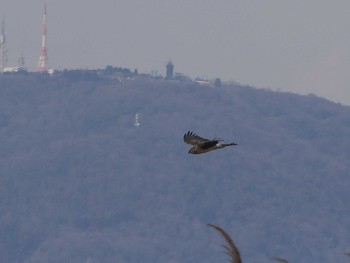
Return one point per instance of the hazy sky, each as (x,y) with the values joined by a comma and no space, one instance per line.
(297,46)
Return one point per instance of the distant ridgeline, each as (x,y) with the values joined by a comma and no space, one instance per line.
(109,73)
(79,74)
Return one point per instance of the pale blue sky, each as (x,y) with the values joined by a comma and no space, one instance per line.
(297,46)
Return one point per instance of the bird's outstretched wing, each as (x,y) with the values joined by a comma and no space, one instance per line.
(209,144)
(194,139)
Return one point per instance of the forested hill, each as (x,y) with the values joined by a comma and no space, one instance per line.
(79,182)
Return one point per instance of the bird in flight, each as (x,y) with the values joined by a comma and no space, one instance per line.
(202,145)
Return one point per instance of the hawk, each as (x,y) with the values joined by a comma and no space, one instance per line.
(202,145)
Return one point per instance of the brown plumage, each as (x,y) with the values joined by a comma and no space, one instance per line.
(203,145)
(230,246)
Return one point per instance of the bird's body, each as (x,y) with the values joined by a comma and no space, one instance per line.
(202,145)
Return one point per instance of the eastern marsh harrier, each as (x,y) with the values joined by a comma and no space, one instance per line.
(202,145)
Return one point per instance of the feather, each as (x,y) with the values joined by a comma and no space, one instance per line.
(193,139)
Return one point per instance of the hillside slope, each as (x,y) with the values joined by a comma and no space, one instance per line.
(80,183)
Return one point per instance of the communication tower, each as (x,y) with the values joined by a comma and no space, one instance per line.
(3,51)
(42,66)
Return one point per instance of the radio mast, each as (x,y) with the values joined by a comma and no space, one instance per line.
(3,57)
(42,66)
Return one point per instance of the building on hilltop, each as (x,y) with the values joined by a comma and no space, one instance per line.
(169,70)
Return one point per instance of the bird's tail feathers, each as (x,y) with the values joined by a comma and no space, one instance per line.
(229,144)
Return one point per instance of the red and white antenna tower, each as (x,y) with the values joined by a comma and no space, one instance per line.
(43,54)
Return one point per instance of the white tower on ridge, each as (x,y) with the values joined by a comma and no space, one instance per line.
(137,122)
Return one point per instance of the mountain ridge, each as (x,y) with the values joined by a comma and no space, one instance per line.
(81,183)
